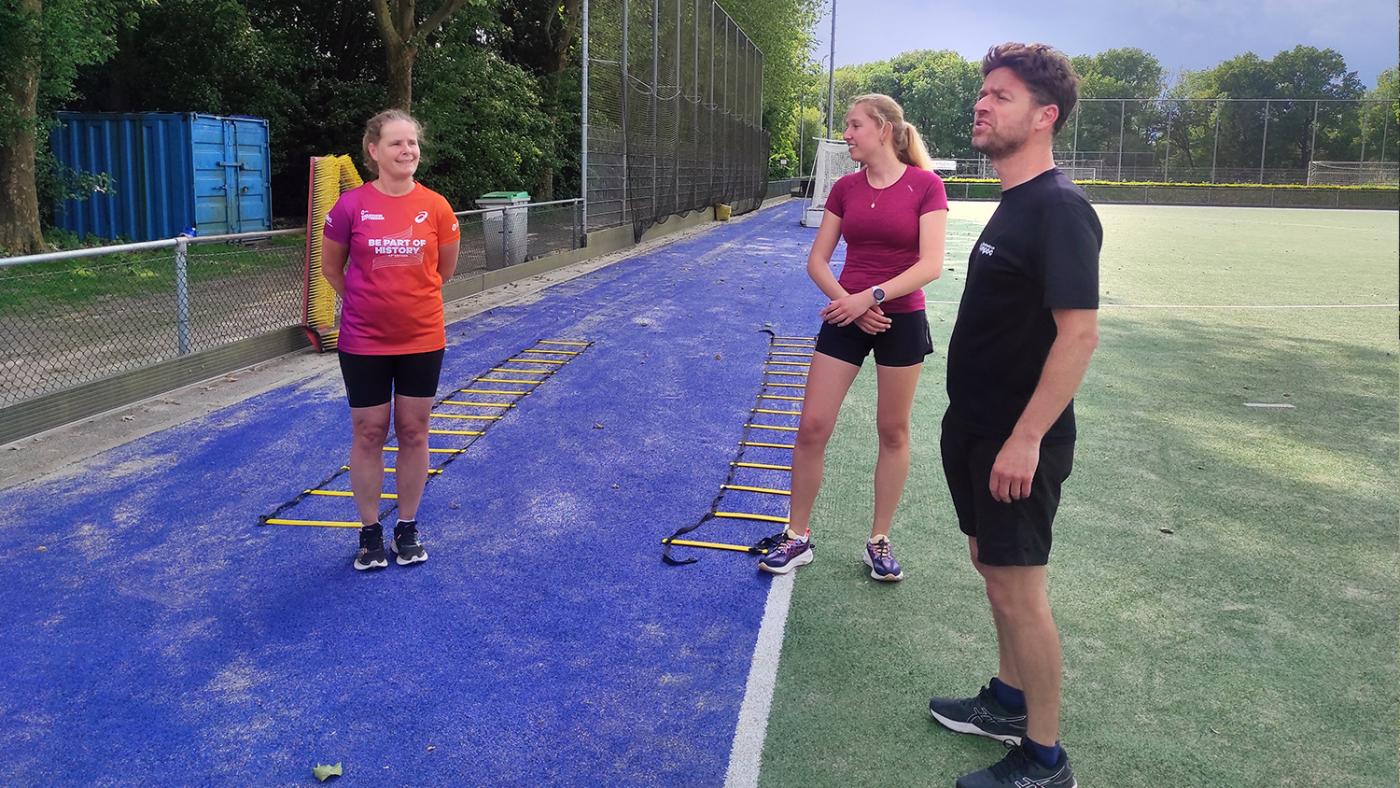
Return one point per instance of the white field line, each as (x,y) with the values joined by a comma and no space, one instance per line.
(746,753)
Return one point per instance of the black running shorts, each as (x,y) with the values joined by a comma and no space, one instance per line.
(903,344)
(373,380)
(1007,534)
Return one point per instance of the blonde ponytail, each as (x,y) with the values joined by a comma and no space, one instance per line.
(908,145)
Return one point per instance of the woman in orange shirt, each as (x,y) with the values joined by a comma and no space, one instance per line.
(389,246)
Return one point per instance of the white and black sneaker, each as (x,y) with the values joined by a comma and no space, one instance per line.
(1020,770)
(371,554)
(406,545)
(981,716)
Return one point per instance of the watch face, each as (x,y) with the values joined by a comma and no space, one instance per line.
(879,293)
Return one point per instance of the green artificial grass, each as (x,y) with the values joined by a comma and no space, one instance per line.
(1254,644)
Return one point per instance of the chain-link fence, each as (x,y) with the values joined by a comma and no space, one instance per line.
(673,112)
(1261,141)
(71,318)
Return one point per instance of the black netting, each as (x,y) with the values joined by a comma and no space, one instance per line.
(675,94)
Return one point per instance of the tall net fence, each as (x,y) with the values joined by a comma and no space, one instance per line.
(674,119)
(1265,141)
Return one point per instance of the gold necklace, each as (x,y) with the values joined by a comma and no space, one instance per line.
(878,192)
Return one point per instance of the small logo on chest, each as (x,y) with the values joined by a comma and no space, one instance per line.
(987,249)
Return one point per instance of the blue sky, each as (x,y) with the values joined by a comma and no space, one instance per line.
(1183,34)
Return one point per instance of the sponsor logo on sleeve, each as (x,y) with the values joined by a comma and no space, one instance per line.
(330,220)
(454,227)
(987,249)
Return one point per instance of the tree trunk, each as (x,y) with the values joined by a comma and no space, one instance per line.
(401,76)
(19,209)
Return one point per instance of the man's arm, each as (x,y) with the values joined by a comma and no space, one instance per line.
(1077,334)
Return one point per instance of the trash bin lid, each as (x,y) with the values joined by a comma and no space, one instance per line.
(512,196)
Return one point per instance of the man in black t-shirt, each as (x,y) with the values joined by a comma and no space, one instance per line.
(1026,328)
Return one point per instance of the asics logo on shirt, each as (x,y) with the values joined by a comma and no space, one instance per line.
(987,249)
(454,227)
(330,220)
(367,216)
(421,217)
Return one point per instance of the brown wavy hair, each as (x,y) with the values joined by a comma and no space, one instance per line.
(1047,72)
(375,126)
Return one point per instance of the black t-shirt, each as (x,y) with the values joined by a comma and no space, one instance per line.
(1039,252)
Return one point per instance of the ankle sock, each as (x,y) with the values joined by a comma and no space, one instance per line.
(1011,698)
(403,522)
(1049,757)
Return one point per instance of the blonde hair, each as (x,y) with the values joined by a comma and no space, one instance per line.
(375,127)
(908,145)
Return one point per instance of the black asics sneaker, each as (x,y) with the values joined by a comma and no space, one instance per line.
(371,555)
(981,715)
(1020,770)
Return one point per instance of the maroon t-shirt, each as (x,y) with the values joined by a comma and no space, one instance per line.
(883,242)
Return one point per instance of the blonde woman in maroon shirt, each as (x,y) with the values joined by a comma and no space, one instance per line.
(893,213)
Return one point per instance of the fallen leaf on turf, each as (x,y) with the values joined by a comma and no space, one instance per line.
(1166,530)
(324,772)
(597,425)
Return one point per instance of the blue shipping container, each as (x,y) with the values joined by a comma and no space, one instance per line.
(168,171)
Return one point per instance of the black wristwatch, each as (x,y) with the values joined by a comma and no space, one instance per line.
(879,293)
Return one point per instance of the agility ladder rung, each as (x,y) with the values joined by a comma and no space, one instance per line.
(786,374)
(321,523)
(508,380)
(430,450)
(787,364)
(537,361)
(781,353)
(553,352)
(738,548)
(745,488)
(431,471)
(778,412)
(779,396)
(762,465)
(774,427)
(467,404)
(767,518)
(468,416)
(456,432)
(349,494)
(493,391)
(767,445)
(785,385)
(795,339)
(523,371)
(574,342)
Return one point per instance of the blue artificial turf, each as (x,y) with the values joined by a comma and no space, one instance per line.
(162,636)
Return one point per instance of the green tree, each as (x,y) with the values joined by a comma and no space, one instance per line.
(782,30)
(404,33)
(42,44)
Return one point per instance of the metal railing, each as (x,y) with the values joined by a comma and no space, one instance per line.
(80,316)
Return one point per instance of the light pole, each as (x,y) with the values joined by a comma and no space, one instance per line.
(831,71)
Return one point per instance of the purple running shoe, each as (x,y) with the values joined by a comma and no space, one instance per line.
(880,558)
(790,553)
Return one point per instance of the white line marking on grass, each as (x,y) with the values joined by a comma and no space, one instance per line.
(1283,405)
(1228,306)
(746,753)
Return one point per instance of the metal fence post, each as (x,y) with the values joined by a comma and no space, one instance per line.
(1167,162)
(182,296)
(1122,115)
(655,109)
(1215,148)
(583,140)
(1264,146)
(1312,145)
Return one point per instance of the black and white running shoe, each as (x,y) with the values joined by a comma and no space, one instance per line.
(371,554)
(981,716)
(1020,770)
(406,545)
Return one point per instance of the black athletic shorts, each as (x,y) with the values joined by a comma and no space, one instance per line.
(1007,534)
(373,380)
(903,344)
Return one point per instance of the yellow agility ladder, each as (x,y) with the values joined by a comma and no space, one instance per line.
(330,176)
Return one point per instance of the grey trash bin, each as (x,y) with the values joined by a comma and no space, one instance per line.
(504,230)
